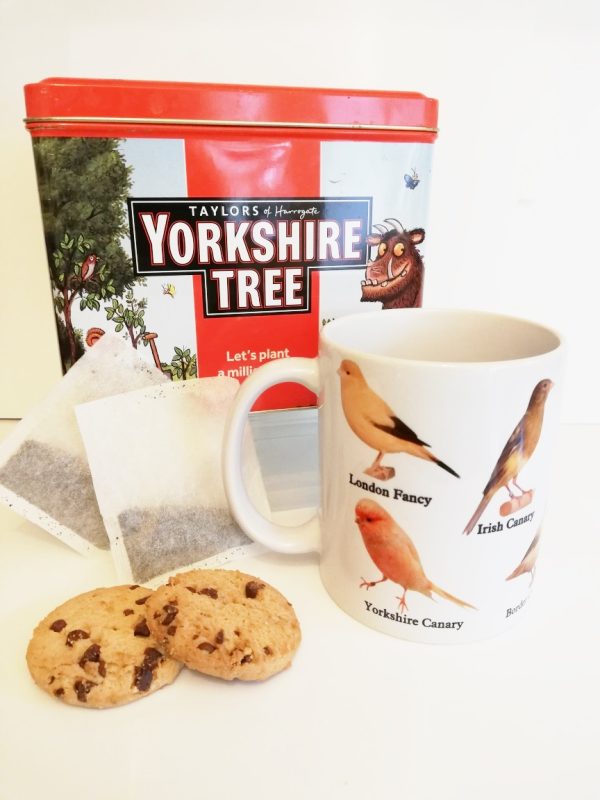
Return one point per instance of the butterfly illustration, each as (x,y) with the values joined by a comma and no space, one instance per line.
(169,289)
(412,180)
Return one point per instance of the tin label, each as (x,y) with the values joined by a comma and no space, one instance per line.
(213,255)
(254,254)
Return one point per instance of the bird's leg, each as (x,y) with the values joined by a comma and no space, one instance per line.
(369,584)
(509,490)
(402,605)
(377,470)
(523,491)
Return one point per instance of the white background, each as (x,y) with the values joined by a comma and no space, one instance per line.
(515,175)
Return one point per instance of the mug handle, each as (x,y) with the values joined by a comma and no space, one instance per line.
(303,538)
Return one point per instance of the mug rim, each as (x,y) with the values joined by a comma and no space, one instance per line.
(350,319)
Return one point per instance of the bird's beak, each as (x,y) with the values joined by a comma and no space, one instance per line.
(339,371)
(357,520)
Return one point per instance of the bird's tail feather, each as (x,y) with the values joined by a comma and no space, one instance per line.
(441,464)
(429,456)
(478,512)
(448,596)
(520,570)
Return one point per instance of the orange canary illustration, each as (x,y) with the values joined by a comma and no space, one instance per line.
(373,421)
(394,553)
(88,266)
(528,561)
(517,451)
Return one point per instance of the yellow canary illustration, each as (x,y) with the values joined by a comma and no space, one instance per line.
(169,289)
(373,421)
(517,451)
(528,561)
(394,553)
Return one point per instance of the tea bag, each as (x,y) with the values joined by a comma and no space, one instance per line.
(44,474)
(155,457)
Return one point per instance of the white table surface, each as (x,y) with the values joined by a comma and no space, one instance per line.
(358,715)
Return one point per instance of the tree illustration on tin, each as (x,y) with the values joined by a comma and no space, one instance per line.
(83,184)
(183,365)
(129,315)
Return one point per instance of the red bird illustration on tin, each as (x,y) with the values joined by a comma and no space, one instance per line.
(394,553)
(87,268)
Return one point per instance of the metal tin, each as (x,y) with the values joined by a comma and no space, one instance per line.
(220,226)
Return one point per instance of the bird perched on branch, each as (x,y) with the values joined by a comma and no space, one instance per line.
(528,561)
(394,553)
(373,421)
(517,451)
(88,266)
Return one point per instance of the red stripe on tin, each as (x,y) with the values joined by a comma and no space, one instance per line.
(255,167)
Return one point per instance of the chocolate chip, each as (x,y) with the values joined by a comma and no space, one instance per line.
(207,646)
(253,588)
(171,612)
(141,629)
(75,635)
(128,611)
(59,692)
(210,592)
(267,651)
(91,654)
(82,689)
(51,680)
(247,659)
(144,674)
(142,600)
(220,637)
(58,625)
(143,677)
(171,630)
(135,586)
(191,589)
(152,656)
(237,633)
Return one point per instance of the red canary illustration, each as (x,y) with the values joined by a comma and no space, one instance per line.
(87,268)
(373,421)
(394,553)
(528,561)
(517,451)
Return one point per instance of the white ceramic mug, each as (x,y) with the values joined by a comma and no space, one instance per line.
(435,429)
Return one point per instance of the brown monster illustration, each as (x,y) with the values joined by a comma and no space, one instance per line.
(395,277)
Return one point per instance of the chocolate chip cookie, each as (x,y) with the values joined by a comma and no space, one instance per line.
(96,650)
(224,623)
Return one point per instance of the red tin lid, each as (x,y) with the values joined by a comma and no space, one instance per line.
(83,100)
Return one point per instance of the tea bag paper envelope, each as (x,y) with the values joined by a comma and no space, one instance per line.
(155,457)
(44,474)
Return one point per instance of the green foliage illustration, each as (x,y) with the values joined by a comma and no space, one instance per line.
(183,365)
(129,315)
(83,184)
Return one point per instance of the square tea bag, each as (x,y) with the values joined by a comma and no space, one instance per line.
(155,458)
(44,474)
